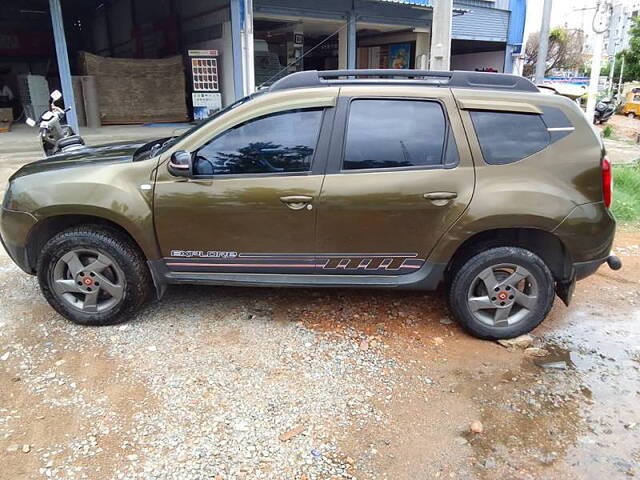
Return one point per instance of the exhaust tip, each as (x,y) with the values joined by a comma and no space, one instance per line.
(614,262)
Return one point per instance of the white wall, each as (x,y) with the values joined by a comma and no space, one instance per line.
(472,61)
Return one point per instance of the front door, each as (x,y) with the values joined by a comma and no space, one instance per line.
(250,207)
(399,178)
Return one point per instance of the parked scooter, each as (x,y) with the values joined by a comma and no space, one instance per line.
(605,109)
(56,136)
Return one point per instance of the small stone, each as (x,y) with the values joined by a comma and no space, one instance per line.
(536,352)
(152,348)
(124,327)
(50,376)
(4,356)
(446,321)
(289,434)
(438,340)
(350,460)
(13,448)
(490,463)
(59,363)
(523,341)
(561,365)
(133,457)
(364,345)
(476,427)
(461,440)
(26,448)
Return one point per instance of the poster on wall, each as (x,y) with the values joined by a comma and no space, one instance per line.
(399,55)
(205,104)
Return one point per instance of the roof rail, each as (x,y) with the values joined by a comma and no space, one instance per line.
(454,79)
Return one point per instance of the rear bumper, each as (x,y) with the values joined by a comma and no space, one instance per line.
(584,269)
(14,230)
(587,233)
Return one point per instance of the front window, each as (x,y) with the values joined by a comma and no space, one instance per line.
(282,142)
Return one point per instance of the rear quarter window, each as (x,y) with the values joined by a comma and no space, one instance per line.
(507,137)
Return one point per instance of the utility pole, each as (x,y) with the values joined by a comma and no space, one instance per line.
(592,91)
(620,79)
(612,68)
(543,47)
(598,30)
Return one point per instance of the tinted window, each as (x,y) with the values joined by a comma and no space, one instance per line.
(508,137)
(394,133)
(281,142)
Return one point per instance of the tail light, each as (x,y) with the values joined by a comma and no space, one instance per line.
(607,182)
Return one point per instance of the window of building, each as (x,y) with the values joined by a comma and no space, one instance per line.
(277,143)
(507,137)
(394,133)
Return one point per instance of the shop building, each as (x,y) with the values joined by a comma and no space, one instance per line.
(231,47)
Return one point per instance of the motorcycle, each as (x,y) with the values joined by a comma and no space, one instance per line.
(56,136)
(605,109)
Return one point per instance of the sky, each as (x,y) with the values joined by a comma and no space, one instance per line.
(563,11)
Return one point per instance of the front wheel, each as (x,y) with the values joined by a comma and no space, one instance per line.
(501,293)
(93,276)
(631,115)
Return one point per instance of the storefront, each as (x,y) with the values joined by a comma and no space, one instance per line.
(228,48)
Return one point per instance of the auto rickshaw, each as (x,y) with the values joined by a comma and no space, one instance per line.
(631,107)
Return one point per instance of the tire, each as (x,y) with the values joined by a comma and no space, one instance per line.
(525,295)
(108,286)
(631,115)
(72,140)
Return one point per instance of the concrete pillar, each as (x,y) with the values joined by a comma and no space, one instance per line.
(63,62)
(422,48)
(441,35)
(248,64)
(351,40)
(508,59)
(236,49)
(342,49)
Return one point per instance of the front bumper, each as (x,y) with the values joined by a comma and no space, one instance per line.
(14,231)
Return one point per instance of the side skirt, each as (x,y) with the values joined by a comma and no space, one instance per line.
(428,277)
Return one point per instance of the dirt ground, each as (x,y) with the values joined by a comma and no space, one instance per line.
(622,146)
(233,383)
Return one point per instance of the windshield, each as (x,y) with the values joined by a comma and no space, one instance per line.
(172,141)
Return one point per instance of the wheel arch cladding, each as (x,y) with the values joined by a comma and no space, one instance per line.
(48,227)
(544,244)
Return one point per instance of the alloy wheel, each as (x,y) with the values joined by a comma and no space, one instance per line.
(88,280)
(503,295)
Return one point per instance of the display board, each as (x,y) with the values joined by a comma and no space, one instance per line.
(205,83)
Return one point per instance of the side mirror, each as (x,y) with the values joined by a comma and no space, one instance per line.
(31,122)
(181,164)
(56,95)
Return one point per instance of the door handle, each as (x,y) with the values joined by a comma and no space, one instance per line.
(297,202)
(439,199)
(440,195)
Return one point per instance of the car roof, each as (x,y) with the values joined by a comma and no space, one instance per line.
(452,79)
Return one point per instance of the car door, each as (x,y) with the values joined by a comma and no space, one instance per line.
(399,174)
(250,206)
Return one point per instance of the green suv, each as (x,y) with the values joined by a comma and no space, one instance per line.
(476,182)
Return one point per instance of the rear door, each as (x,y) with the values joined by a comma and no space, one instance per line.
(399,174)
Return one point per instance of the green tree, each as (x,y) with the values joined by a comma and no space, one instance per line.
(631,55)
(565,51)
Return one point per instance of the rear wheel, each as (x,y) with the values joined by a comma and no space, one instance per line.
(631,115)
(501,293)
(93,276)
